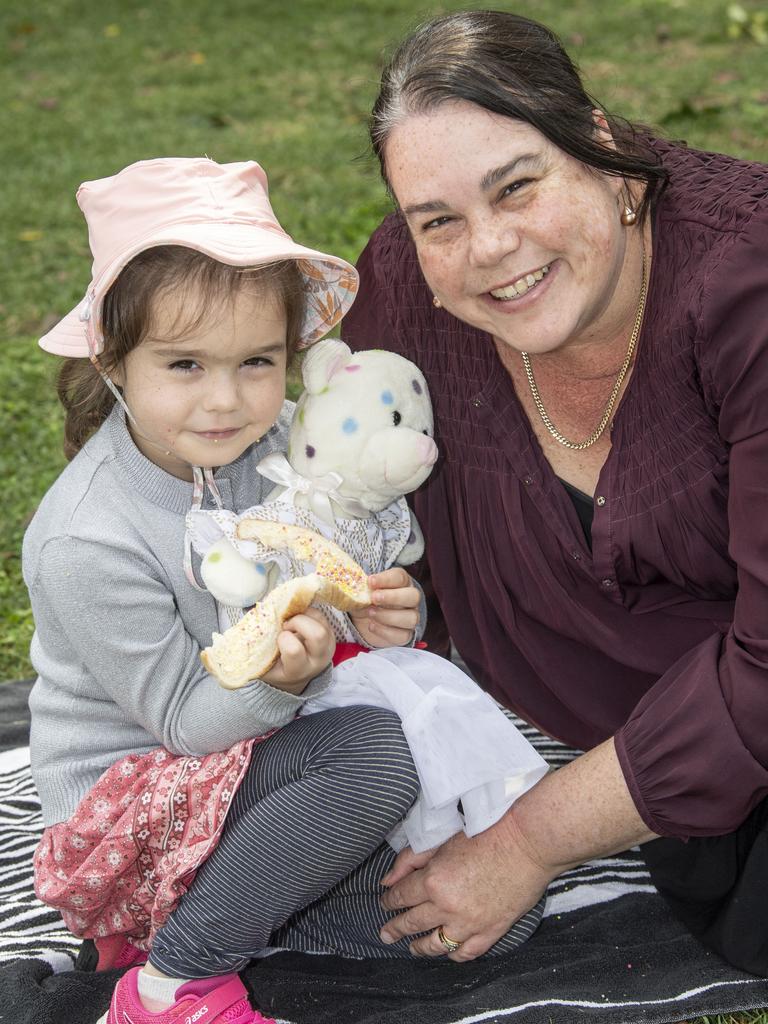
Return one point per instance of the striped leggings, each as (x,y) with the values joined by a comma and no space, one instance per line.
(299,862)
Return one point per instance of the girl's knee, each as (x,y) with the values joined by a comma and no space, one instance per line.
(372,738)
(366,744)
(381,725)
(380,732)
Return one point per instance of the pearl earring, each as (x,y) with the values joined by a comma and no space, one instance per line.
(628,217)
(436,302)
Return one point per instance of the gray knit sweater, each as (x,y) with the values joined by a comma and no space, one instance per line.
(119,628)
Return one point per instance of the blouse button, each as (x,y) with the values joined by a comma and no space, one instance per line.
(607,582)
(576,555)
(528,480)
(599,500)
(476,402)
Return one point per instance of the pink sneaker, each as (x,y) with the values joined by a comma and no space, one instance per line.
(206,1001)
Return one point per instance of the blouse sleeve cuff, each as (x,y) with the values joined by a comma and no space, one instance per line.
(685,765)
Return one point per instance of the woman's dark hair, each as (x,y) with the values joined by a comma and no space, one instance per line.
(515,67)
(126,318)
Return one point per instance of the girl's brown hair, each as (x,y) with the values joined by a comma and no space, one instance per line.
(518,68)
(126,317)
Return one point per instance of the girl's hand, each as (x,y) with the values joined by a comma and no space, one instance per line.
(306,646)
(392,616)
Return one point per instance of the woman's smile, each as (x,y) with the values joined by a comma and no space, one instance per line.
(519,295)
(524,284)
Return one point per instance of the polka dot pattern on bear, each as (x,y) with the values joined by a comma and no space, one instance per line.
(350,425)
(387,397)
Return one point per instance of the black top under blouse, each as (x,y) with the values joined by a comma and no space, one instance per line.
(585,508)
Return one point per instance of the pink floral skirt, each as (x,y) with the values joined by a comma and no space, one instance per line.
(123,860)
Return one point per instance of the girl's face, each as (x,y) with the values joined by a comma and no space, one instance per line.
(513,236)
(201,399)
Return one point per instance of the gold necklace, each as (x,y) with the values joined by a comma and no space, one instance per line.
(596,433)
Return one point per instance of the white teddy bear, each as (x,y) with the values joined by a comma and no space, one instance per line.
(368,418)
(360,439)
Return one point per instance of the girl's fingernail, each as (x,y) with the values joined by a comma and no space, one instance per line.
(386,939)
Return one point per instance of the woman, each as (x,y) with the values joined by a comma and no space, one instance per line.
(590,308)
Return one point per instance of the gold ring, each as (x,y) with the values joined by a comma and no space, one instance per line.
(450,944)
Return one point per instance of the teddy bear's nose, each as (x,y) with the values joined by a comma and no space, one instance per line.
(427,450)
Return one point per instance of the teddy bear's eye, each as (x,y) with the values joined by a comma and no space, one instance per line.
(396,418)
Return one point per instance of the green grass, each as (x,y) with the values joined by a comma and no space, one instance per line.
(89,87)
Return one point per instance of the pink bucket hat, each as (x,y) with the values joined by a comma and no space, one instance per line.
(220,209)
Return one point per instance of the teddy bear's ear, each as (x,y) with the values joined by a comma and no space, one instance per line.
(322,361)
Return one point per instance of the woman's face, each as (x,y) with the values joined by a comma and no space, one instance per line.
(513,236)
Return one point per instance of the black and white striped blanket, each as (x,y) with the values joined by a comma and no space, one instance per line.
(607,951)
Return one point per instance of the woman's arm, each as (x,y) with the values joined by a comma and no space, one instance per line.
(477,888)
(695,749)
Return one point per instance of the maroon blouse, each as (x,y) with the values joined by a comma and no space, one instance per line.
(659,635)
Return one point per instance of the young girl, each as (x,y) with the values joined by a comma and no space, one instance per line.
(202,824)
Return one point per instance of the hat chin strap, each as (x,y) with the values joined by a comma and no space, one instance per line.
(201,478)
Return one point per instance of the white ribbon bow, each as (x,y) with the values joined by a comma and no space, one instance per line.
(318,492)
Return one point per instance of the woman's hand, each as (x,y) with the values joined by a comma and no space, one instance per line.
(392,616)
(306,644)
(475,889)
